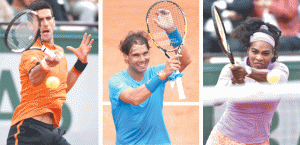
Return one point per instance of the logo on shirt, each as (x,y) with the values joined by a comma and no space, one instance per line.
(120,86)
(61,54)
(149,81)
(33,59)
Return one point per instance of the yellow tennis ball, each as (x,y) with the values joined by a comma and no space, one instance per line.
(52,82)
(272,77)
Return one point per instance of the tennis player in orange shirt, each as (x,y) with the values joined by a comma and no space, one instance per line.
(36,119)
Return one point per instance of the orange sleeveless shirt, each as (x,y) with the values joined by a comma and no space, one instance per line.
(41,99)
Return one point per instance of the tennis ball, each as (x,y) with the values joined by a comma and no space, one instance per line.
(273,77)
(52,82)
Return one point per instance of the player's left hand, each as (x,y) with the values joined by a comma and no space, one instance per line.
(164,20)
(237,80)
(84,49)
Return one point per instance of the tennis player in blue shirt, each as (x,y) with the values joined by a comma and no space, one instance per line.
(136,94)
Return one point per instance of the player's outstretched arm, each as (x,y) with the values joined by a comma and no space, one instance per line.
(82,53)
(39,73)
(239,73)
(71,79)
(165,21)
(260,75)
(280,71)
(135,96)
(142,93)
(186,58)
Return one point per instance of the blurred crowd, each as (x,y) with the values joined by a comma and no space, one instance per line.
(282,13)
(85,11)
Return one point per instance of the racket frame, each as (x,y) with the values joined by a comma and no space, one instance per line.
(9,28)
(185,28)
(226,49)
(44,49)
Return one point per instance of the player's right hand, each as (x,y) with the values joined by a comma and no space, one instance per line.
(172,65)
(54,60)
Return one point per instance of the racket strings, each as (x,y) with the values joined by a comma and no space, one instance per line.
(22,33)
(158,34)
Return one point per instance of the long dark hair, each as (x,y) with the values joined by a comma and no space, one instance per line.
(252,25)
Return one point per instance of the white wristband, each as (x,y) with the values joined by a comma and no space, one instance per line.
(45,66)
(248,70)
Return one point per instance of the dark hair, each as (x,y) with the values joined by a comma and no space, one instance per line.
(252,25)
(140,38)
(38,5)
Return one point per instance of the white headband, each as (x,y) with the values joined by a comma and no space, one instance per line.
(257,36)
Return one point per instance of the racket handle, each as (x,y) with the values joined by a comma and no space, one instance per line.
(47,51)
(180,87)
(172,83)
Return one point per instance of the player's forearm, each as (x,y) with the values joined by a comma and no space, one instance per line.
(135,96)
(260,75)
(74,73)
(37,75)
(186,58)
(71,80)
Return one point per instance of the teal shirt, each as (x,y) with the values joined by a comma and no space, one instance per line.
(142,124)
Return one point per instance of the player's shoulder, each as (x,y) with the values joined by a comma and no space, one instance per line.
(225,72)
(277,65)
(59,47)
(118,76)
(227,66)
(32,52)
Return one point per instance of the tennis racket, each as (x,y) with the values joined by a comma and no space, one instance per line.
(23,31)
(221,33)
(175,16)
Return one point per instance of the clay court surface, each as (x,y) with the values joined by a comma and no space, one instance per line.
(120,17)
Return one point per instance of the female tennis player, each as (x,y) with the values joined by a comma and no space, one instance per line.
(249,122)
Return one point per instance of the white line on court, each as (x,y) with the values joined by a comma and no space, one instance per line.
(170,103)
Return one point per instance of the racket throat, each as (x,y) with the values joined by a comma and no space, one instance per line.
(47,51)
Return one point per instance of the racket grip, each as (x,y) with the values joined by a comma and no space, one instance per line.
(179,87)
(47,51)
(172,83)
